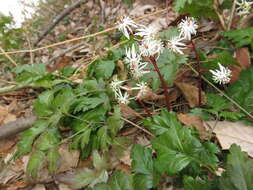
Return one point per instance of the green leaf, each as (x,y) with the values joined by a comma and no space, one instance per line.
(196,184)
(48,140)
(104,68)
(241,37)
(121,181)
(241,91)
(169,33)
(178,147)
(38,69)
(142,163)
(201,113)
(225,58)
(238,174)
(99,162)
(101,186)
(46,97)
(63,100)
(104,139)
(83,139)
(168,63)
(53,157)
(217,102)
(27,138)
(142,160)
(196,8)
(115,122)
(35,163)
(86,103)
(159,124)
(142,182)
(89,177)
(229,115)
(67,71)
(179,4)
(42,110)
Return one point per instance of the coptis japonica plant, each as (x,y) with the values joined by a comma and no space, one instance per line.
(93,114)
(150,46)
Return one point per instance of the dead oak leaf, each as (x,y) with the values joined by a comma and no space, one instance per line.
(242,56)
(191,94)
(195,121)
(229,133)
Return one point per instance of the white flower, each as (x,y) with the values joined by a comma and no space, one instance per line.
(132,57)
(115,84)
(187,28)
(146,32)
(138,70)
(125,26)
(221,76)
(175,45)
(142,87)
(122,99)
(243,7)
(151,47)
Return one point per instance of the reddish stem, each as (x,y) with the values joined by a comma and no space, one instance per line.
(199,71)
(145,108)
(164,84)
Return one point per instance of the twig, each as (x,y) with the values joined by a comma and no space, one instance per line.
(61,16)
(137,126)
(215,6)
(82,37)
(83,67)
(65,52)
(16,127)
(11,88)
(8,57)
(164,84)
(231,15)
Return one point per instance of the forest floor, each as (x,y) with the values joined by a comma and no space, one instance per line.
(63,125)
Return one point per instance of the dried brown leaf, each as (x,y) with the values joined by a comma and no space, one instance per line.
(195,121)
(229,133)
(69,158)
(191,94)
(242,56)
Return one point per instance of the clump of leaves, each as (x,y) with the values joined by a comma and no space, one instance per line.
(178,146)
(196,8)
(240,37)
(218,107)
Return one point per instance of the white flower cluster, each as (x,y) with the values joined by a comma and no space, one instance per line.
(149,46)
(221,76)
(187,28)
(116,86)
(243,7)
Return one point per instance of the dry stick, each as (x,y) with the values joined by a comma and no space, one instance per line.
(231,15)
(16,127)
(8,57)
(215,6)
(82,37)
(65,52)
(137,126)
(61,16)
(164,84)
(199,72)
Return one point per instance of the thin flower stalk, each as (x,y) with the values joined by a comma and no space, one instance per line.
(199,72)
(164,84)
